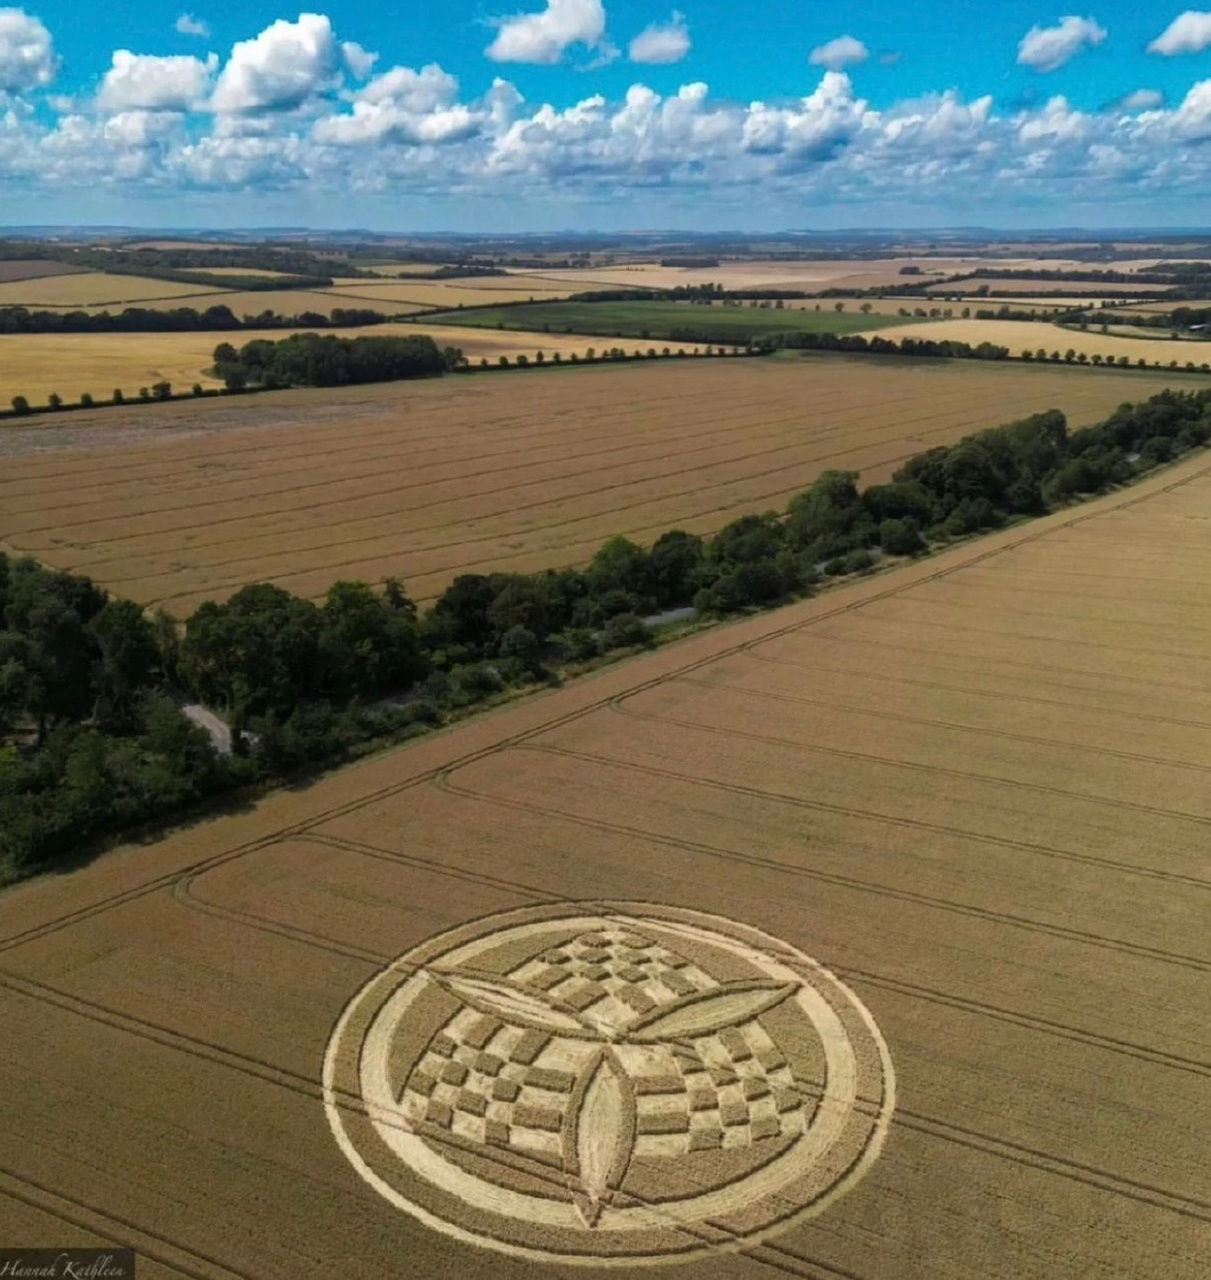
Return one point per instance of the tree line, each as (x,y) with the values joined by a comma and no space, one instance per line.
(217,319)
(314,360)
(91,746)
(293,268)
(952,349)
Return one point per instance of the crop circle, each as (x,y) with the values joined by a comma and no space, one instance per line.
(608,1083)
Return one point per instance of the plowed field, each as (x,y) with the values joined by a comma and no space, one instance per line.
(513,472)
(974,789)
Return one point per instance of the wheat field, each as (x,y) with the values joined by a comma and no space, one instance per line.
(974,789)
(176,504)
(1028,335)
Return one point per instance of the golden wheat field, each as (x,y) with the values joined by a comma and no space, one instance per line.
(1169,305)
(1030,335)
(35,365)
(822,273)
(1010,286)
(177,504)
(91,289)
(285,302)
(886,914)
(265,272)
(472,292)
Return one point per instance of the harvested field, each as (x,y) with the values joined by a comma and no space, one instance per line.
(90,289)
(518,471)
(834,273)
(1028,335)
(973,789)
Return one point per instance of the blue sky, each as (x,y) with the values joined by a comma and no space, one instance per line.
(608,114)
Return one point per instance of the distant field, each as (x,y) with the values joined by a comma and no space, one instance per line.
(34,365)
(1168,305)
(291,302)
(34,269)
(1004,286)
(179,503)
(452,293)
(1032,302)
(658,320)
(1023,335)
(90,288)
(243,271)
(812,276)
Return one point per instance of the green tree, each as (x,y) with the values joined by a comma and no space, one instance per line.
(129,660)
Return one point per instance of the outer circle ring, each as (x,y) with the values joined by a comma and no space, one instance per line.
(379,988)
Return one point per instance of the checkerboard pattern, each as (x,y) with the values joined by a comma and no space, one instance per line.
(725,1091)
(494,1084)
(497,1085)
(619,975)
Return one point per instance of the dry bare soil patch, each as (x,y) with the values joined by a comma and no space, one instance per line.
(974,789)
(518,471)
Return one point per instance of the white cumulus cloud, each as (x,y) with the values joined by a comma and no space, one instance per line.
(661,42)
(405,106)
(1189,32)
(1141,100)
(844,51)
(188,25)
(544,37)
(1048,48)
(27,55)
(139,82)
(284,66)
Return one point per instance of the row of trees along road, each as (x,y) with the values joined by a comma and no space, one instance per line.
(91,746)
